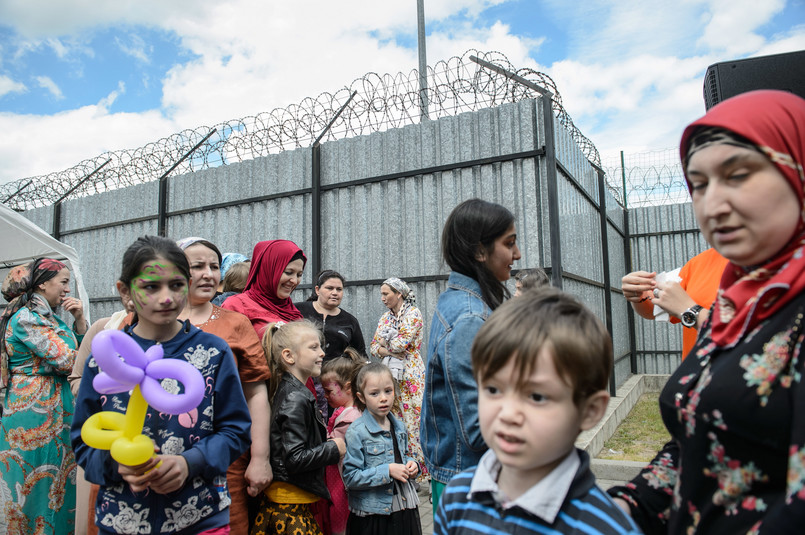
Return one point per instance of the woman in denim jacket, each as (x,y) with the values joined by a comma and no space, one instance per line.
(378,471)
(479,243)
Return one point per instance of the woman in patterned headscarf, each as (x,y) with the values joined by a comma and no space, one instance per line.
(37,350)
(397,341)
(734,407)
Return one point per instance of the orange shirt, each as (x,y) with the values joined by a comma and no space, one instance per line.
(700,278)
(237,331)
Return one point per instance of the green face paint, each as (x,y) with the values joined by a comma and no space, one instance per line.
(147,285)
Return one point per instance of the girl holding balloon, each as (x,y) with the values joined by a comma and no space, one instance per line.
(182,488)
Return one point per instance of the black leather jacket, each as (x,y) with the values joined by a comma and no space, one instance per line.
(299,446)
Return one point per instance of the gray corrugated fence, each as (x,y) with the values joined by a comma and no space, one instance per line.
(384,199)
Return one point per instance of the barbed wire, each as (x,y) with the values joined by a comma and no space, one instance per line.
(380,102)
(650,178)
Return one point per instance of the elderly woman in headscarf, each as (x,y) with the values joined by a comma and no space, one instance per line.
(37,351)
(734,407)
(397,342)
(275,272)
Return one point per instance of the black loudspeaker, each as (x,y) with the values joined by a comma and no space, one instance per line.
(729,78)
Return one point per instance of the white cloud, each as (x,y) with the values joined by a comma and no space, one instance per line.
(632,78)
(57,46)
(7,85)
(105,103)
(732,25)
(44,18)
(44,144)
(46,83)
(135,47)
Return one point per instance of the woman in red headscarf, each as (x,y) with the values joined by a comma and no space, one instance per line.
(37,351)
(275,272)
(735,408)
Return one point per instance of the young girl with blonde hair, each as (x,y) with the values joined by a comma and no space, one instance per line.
(300,449)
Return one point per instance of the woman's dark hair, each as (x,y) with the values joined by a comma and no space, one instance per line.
(148,248)
(298,255)
(472,224)
(211,246)
(323,276)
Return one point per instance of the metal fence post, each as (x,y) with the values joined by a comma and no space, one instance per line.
(315,196)
(57,221)
(162,218)
(553,193)
(315,207)
(57,205)
(602,213)
(627,251)
(556,270)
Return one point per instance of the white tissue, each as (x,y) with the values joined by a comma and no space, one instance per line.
(666,276)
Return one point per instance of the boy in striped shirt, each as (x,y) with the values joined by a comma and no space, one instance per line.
(542,362)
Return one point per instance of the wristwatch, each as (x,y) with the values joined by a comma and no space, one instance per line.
(689,316)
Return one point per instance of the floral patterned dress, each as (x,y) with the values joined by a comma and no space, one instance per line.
(37,489)
(736,463)
(408,341)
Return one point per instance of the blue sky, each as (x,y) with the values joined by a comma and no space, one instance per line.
(80,77)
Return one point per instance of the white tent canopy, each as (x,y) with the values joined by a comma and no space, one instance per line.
(21,241)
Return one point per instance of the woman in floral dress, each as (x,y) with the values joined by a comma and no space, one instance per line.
(399,336)
(735,406)
(37,466)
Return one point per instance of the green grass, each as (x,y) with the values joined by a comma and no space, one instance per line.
(640,436)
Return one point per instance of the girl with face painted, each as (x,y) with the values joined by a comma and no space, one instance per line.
(183,488)
(37,353)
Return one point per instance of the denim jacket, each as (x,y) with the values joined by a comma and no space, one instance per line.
(450,432)
(366,463)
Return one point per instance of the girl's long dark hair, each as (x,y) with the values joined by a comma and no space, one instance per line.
(472,224)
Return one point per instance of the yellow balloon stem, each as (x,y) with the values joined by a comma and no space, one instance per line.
(154,468)
(135,414)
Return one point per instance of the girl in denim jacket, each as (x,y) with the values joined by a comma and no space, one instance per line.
(479,243)
(378,472)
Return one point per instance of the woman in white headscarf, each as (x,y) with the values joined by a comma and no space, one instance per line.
(397,342)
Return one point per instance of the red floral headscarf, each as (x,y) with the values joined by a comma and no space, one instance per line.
(774,121)
(17,288)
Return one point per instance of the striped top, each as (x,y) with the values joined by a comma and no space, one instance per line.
(586,509)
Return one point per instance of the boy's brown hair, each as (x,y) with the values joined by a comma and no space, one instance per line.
(548,318)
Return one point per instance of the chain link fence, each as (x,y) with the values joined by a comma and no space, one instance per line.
(651,178)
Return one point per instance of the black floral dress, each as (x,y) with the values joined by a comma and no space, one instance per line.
(736,462)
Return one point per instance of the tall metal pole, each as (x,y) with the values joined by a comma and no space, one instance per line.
(627,252)
(423,62)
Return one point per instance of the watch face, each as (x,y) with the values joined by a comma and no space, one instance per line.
(688,318)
